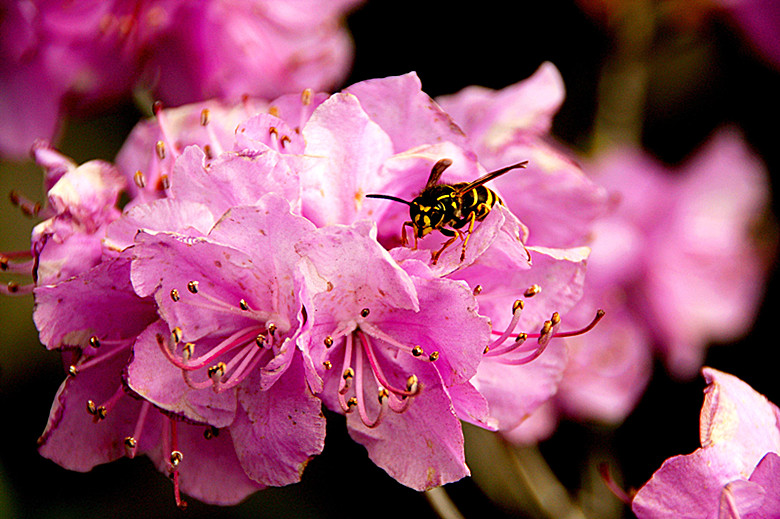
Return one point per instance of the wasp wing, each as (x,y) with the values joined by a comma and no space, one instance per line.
(436,172)
(487,177)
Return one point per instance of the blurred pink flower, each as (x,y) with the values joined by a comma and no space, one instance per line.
(672,239)
(736,471)
(65,58)
(759,21)
(680,237)
(81,202)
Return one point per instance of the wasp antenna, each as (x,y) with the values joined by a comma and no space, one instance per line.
(390,197)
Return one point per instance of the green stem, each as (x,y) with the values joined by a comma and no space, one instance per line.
(442,504)
(623,84)
(537,477)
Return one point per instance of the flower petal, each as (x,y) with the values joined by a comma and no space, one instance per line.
(152,376)
(278,430)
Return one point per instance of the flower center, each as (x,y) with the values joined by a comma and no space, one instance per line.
(362,362)
(229,361)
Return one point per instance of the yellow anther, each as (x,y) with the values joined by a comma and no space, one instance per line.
(412,384)
(532,290)
(139,179)
(160,149)
(306,96)
(176,458)
(217,370)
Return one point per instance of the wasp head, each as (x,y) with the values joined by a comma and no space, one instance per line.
(433,209)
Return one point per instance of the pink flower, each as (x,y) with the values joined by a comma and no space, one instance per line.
(225,353)
(71,59)
(81,202)
(517,376)
(271,284)
(676,240)
(148,156)
(551,196)
(391,151)
(557,204)
(736,471)
(386,345)
(94,318)
(759,21)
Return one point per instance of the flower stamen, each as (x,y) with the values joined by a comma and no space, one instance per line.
(131,442)
(99,412)
(174,459)
(383,396)
(548,331)
(27,206)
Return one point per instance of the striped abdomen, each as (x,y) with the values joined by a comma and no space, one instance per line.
(479,200)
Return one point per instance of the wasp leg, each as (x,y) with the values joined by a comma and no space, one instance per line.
(472,219)
(435,255)
(404,238)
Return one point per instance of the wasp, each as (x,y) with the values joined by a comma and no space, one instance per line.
(448,208)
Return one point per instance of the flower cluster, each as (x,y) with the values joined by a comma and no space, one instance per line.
(74,57)
(250,280)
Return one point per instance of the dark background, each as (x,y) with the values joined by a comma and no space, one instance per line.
(493,44)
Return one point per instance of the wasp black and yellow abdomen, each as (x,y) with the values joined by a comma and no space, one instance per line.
(479,200)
